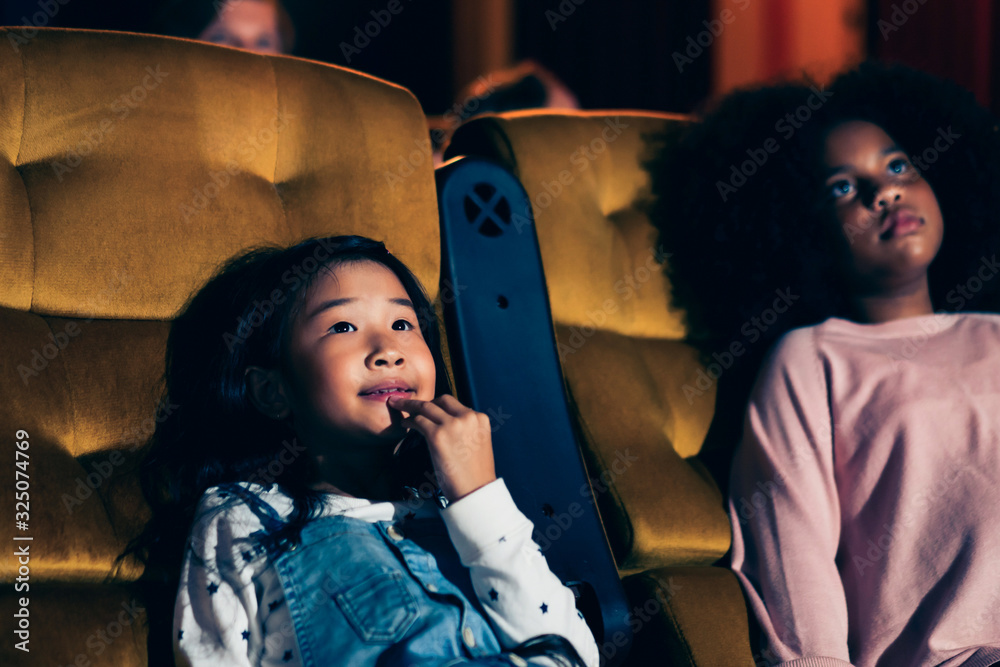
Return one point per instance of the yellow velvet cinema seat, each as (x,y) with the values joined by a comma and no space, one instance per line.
(626,364)
(130,167)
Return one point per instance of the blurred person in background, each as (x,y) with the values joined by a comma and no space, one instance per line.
(526,85)
(263,26)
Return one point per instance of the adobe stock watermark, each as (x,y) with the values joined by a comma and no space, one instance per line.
(561,13)
(428,489)
(964,292)
(483,437)
(423,150)
(581,159)
(447,294)
(748,505)
(247,151)
(101,471)
(302,274)
(121,108)
(47,11)
(767,657)
(381,18)
(459,111)
(956,298)
(101,639)
(627,287)
(562,521)
(699,44)
(42,356)
(901,13)
(946,139)
(752,330)
(786,126)
(639,616)
(912,344)
(913,512)
(985,619)
(290,451)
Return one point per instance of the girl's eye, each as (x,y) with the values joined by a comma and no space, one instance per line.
(343,327)
(402,325)
(900,166)
(840,189)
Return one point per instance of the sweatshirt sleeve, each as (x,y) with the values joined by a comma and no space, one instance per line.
(215,602)
(521,596)
(785,511)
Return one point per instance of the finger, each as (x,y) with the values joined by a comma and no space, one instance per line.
(452,405)
(421,424)
(417,407)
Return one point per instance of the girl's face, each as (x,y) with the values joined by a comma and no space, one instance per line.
(888,216)
(355,342)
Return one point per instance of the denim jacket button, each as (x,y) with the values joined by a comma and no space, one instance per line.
(394,533)
(432,588)
(517,660)
(468,637)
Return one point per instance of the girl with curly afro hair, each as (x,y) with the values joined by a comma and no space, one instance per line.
(835,253)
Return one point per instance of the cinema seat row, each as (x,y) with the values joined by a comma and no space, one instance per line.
(121,192)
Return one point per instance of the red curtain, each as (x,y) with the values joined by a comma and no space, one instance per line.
(947,38)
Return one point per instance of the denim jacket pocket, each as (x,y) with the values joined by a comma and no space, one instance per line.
(379,608)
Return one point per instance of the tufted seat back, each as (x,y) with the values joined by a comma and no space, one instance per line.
(131,167)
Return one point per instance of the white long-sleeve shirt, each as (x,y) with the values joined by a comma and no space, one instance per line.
(230,609)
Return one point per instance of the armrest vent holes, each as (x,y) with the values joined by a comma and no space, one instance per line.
(487,210)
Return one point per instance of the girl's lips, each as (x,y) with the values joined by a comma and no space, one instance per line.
(383,396)
(901,223)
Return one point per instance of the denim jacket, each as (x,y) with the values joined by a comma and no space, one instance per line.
(397,593)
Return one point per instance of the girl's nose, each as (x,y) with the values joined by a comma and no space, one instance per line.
(391,359)
(384,353)
(879,196)
(888,198)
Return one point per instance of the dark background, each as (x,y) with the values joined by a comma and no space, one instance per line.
(611,53)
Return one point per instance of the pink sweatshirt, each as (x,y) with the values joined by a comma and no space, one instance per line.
(865,496)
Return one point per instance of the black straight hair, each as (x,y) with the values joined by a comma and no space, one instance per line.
(242,317)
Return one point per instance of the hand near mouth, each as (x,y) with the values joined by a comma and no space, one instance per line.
(459,440)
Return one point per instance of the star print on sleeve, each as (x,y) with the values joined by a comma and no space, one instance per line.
(410,515)
(180,635)
(212,588)
(287,656)
(503,558)
(247,556)
(246,635)
(273,604)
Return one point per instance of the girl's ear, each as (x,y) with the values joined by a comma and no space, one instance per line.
(267,392)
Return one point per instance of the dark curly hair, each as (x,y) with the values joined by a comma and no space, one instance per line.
(738,199)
